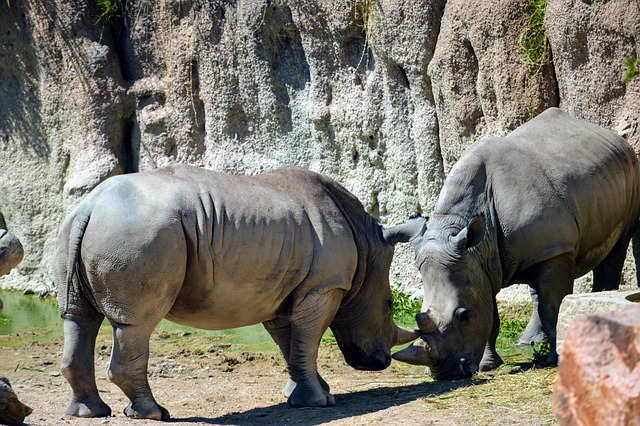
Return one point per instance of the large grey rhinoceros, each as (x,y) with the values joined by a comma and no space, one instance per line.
(556,198)
(291,249)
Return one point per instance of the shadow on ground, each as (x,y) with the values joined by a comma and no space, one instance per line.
(347,405)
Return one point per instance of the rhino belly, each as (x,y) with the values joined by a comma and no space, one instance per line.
(226,306)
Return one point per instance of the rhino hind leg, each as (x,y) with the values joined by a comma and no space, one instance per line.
(128,370)
(607,275)
(78,366)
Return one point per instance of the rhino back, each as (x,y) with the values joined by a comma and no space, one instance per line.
(556,184)
(233,247)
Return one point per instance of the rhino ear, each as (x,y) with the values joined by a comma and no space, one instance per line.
(472,234)
(414,227)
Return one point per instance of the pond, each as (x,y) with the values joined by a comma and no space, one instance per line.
(34,318)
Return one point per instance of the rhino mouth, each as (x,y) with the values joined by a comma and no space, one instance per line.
(373,361)
(453,368)
(422,352)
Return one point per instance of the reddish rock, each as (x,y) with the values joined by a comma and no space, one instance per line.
(598,379)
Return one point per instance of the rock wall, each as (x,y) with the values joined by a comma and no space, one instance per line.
(382,95)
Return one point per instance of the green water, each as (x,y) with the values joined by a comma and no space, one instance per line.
(29,317)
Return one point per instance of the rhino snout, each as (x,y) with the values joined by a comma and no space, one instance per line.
(376,360)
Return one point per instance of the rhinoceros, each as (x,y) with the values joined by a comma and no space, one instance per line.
(554,199)
(290,248)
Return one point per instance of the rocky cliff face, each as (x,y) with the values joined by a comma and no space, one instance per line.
(382,95)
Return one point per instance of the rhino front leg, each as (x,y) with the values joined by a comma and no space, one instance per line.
(78,366)
(128,370)
(280,331)
(490,359)
(553,280)
(310,318)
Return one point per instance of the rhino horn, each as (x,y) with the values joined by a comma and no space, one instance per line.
(406,336)
(426,322)
(418,354)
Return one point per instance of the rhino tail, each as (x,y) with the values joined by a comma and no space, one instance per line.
(73,287)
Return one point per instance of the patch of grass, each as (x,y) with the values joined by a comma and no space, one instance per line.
(513,319)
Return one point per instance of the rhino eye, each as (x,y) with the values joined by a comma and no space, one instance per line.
(462,315)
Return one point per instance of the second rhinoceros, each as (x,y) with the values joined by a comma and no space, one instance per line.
(556,198)
(291,249)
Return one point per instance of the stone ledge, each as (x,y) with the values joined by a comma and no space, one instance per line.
(579,305)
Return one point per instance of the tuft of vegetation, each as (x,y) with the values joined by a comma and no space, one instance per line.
(541,352)
(533,44)
(108,10)
(534,51)
(365,14)
(404,309)
(631,71)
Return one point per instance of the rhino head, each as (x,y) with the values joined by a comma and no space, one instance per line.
(363,327)
(457,311)
(11,252)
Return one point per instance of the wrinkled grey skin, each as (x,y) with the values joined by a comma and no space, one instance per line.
(291,249)
(556,198)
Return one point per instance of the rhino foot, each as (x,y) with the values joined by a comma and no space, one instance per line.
(531,337)
(287,390)
(308,395)
(490,361)
(552,359)
(88,408)
(151,411)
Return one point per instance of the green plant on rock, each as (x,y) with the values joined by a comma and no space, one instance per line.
(365,14)
(534,52)
(631,71)
(107,11)
(533,44)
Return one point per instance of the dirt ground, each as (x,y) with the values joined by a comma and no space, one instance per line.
(201,382)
